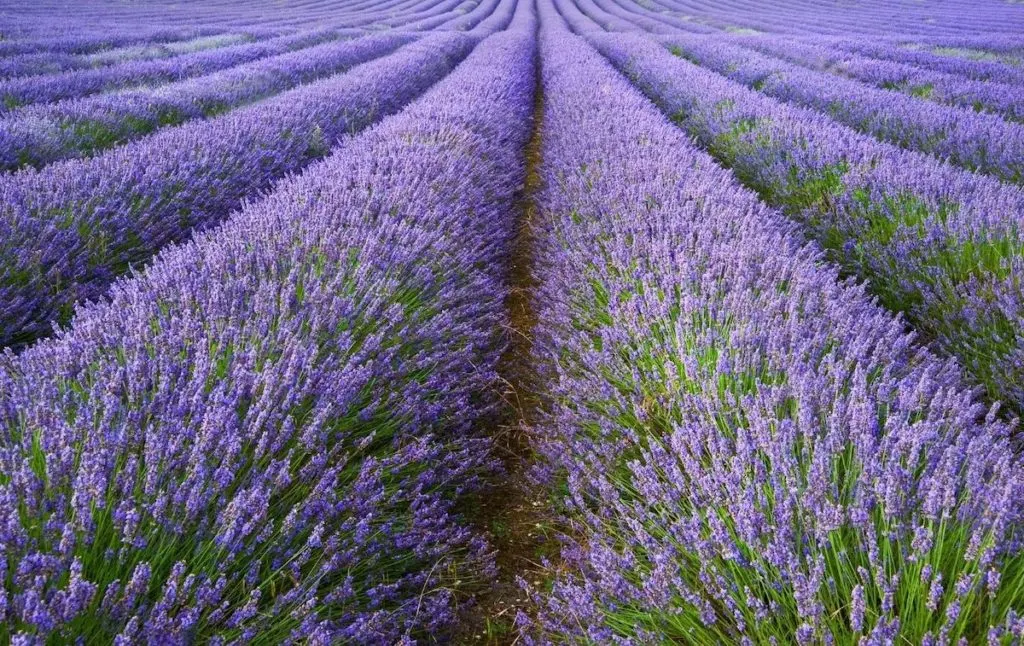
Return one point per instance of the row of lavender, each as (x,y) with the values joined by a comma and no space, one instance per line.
(85,44)
(869,19)
(955,82)
(942,245)
(57,126)
(72,227)
(977,141)
(50,62)
(28,27)
(41,134)
(262,436)
(46,76)
(47,88)
(754,452)
(982,73)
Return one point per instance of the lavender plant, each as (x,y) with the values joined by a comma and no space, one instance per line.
(77,83)
(261,437)
(42,134)
(981,142)
(68,230)
(940,244)
(752,451)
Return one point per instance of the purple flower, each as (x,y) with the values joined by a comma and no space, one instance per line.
(857,608)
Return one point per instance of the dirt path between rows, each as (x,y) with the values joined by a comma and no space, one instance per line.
(514,514)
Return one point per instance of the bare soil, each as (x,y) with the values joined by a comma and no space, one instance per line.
(514,514)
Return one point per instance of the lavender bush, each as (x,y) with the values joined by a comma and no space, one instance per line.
(41,134)
(753,451)
(68,230)
(77,83)
(981,142)
(940,244)
(260,438)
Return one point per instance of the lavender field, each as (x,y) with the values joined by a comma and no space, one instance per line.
(512,322)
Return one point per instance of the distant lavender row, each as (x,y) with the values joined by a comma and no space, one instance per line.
(943,87)
(55,62)
(990,42)
(615,18)
(593,22)
(753,451)
(42,134)
(423,19)
(978,70)
(648,13)
(435,18)
(92,43)
(1011,59)
(52,21)
(980,142)
(152,51)
(77,83)
(499,16)
(494,11)
(866,19)
(941,244)
(68,230)
(286,401)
